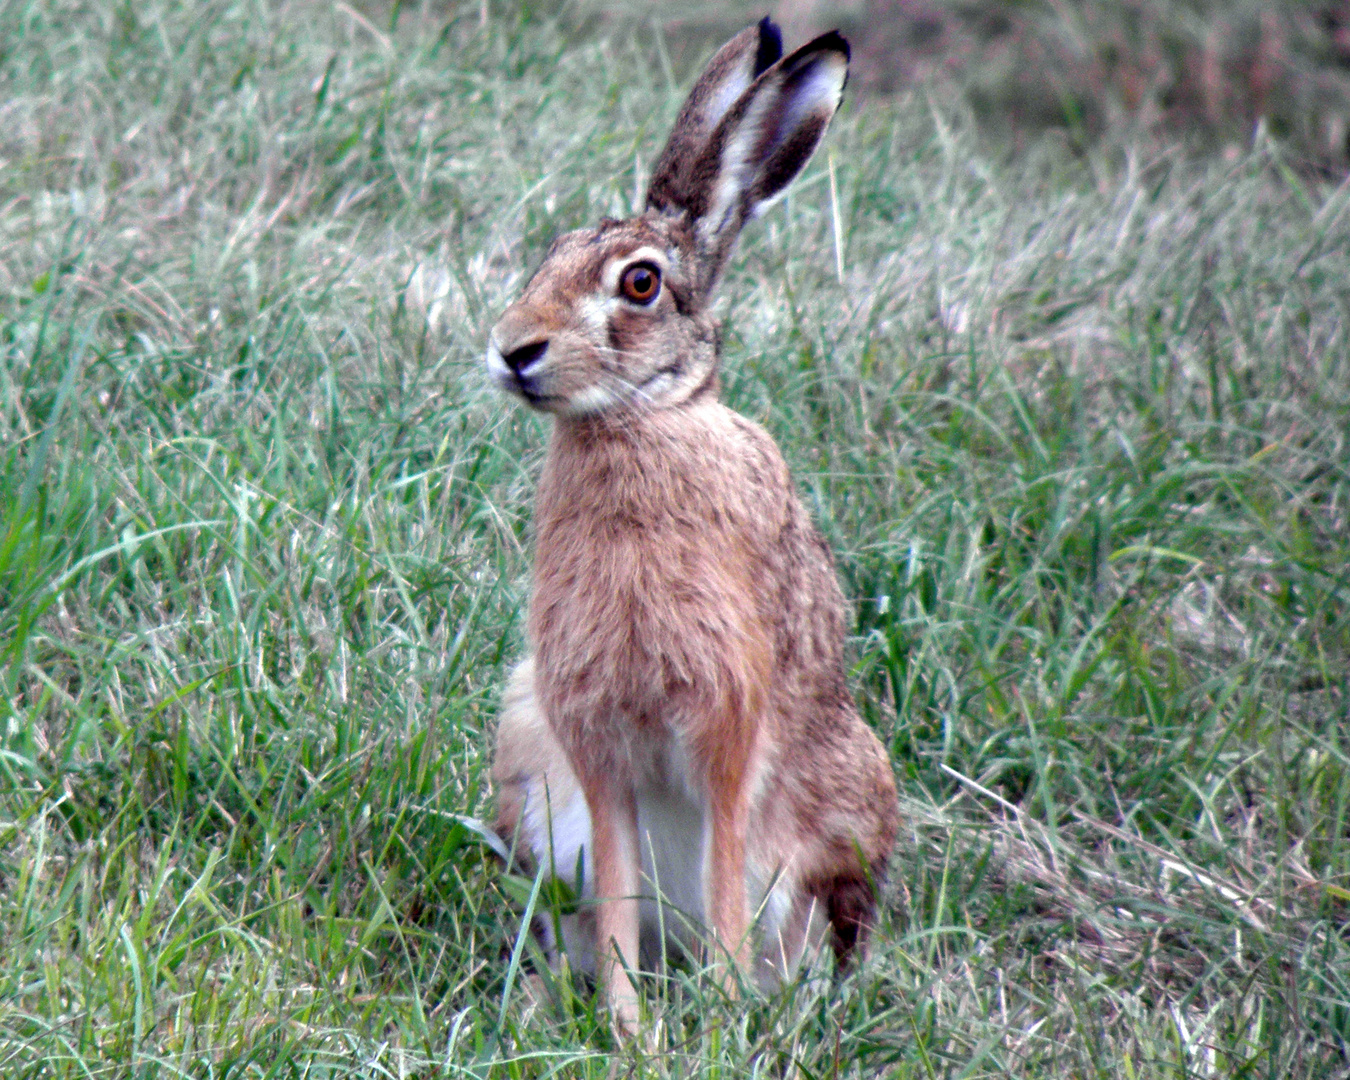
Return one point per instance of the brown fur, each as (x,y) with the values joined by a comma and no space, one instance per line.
(687,629)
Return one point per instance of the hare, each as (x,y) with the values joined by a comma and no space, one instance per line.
(682,745)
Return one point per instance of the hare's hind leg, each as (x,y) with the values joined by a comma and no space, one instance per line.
(540,806)
(793,941)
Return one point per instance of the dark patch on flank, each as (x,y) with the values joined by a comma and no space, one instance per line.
(849,903)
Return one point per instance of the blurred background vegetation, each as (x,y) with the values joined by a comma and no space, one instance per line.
(1206,71)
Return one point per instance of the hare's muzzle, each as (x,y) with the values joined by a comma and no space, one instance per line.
(511,368)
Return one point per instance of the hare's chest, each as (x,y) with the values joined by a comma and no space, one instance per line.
(650,605)
(639,600)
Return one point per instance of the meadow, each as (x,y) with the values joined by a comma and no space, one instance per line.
(1076,422)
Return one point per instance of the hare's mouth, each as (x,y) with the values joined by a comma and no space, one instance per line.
(527,388)
(533,397)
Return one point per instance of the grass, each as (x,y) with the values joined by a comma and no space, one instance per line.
(1077,427)
(1202,70)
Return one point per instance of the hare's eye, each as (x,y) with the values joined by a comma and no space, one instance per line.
(641,282)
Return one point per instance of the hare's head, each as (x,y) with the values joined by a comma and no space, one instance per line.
(617,317)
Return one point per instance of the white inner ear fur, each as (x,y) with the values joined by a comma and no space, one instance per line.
(738,169)
(817,94)
(726,95)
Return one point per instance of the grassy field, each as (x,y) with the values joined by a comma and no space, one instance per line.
(1078,428)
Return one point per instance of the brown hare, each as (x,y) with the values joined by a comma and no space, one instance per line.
(684,728)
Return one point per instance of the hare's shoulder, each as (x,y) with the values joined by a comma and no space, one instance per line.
(742,446)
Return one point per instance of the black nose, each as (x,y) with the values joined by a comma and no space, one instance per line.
(519,359)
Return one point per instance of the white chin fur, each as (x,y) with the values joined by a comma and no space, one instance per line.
(597,399)
(588,402)
(657,386)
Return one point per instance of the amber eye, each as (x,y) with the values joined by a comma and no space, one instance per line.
(641,282)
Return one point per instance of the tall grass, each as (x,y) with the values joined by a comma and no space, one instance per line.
(1077,429)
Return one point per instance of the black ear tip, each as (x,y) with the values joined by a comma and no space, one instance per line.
(834,41)
(770,45)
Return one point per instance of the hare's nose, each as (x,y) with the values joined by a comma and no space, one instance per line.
(520,358)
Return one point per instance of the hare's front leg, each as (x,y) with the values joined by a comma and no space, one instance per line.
(729,746)
(724,874)
(615,857)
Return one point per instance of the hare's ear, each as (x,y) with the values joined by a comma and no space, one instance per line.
(724,81)
(719,177)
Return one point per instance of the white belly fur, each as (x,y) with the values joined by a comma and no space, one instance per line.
(672,834)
